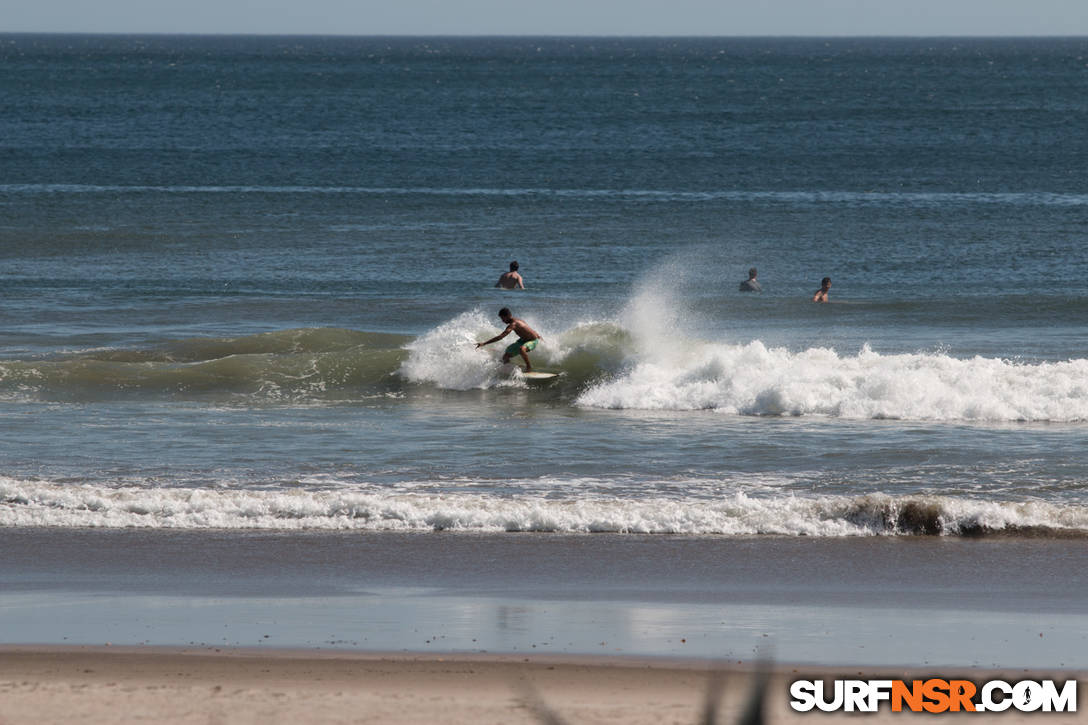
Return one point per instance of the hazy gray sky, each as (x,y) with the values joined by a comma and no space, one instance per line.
(553,17)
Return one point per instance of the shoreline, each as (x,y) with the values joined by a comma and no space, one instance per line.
(960,603)
(628,661)
(54,684)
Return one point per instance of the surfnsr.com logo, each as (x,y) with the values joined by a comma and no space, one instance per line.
(934,695)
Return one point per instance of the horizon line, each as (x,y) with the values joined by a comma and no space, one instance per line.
(557,36)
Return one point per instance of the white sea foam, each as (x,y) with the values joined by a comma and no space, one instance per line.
(646,362)
(38,503)
(756,380)
(447,355)
(671,369)
(650,357)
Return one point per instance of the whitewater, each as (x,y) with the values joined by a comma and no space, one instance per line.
(38,503)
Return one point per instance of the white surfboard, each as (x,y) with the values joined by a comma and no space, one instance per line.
(534,375)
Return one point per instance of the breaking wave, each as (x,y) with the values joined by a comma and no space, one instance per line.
(42,503)
(753,379)
(670,368)
(646,361)
(643,360)
(447,356)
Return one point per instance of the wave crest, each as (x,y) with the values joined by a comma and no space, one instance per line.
(634,366)
(752,379)
(447,355)
(38,503)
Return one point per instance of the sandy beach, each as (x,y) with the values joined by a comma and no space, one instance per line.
(123,685)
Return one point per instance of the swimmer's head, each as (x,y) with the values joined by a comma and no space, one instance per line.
(505,315)
(514,266)
(752,273)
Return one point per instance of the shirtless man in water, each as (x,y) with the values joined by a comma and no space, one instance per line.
(527,338)
(821,294)
(511,279)
(751,284)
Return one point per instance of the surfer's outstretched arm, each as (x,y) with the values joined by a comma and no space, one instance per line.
(496,338)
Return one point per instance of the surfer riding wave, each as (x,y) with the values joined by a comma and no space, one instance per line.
(526,342)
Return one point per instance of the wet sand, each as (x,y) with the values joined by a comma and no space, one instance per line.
(900,602)
(127,685)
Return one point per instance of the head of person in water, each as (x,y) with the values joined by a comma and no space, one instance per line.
(752,273)
(505,315)
(825,283)
(514,266)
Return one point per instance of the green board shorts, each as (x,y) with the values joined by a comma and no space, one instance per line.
(515,348)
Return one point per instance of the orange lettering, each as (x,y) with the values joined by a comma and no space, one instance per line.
(961,693)
(912,695)
(937,692)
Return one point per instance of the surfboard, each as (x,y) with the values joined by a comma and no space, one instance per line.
(539,376)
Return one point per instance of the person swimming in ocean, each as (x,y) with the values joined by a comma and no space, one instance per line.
(750,284)
(821,294)
(511,279)
(527,338)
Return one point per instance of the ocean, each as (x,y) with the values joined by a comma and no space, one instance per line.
(243,278)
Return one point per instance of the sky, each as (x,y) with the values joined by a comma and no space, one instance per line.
(552,17)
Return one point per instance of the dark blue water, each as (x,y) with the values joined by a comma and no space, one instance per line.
(242,277)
